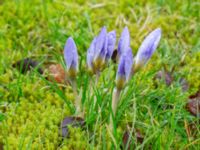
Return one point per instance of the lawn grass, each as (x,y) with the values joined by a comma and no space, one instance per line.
(32,108)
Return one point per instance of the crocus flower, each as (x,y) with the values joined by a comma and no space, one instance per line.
(124,41)
(147,48)
(90,55)
(123,75)
(97,51)
(71,57)
(100,48)
(110,44)
(124,68)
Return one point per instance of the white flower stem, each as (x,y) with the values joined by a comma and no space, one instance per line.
(115,101)
(77,98)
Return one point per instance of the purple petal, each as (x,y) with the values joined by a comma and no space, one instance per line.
(121,67)
(124,41)
(74,64)
(111,44)
(92,46)
(100,40)
(104,50)
(128,63)
(70,54)
(125,64)
(91,53)
(148,47)
(90,60)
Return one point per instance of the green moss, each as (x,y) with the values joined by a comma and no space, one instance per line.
(35,118)
(77,140)
(33,110)
(191,70)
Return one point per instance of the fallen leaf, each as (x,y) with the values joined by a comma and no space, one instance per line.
(184,84)
(196,95)
(138,136)
(72,121)
(27,64)
(193,105)
(56,73)
(162,74)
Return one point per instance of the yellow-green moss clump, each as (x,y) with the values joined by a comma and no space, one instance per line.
(192,70)
(77,140)
(33,122)
(34,115)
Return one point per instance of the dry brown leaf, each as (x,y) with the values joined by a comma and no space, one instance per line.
(193,105)
(72,121)
(165,75)
(138,136)
(27,64)
(56,73)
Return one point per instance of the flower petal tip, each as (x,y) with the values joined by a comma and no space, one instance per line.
(148,47)
(124,41)
(70,54)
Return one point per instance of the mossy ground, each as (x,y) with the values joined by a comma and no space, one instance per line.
(31,110)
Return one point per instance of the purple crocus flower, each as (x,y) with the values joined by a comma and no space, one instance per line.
(100,44)
(71,56)
(124,41)
(147,48)
(110,44)
(124,68)
(101,50)
(97,51)
(90,55)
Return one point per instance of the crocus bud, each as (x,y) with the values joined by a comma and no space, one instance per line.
(71,57)
(110,44)
(100,49)
(90,56)
(124,68)
(124,41)
(147,49)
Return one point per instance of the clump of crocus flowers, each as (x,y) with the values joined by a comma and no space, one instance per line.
(99,54)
